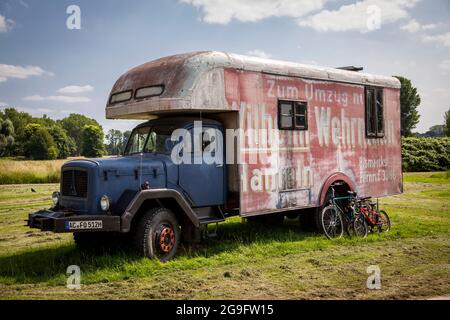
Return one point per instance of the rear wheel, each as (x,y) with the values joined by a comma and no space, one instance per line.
(359,226)
(158,234)
(332,222)
(384,222)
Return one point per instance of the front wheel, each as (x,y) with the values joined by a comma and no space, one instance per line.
(332,222)
(158,234)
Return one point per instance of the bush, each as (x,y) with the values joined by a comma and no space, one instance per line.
(425,154)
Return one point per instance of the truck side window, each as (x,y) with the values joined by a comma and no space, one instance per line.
(292,115)
(374,113)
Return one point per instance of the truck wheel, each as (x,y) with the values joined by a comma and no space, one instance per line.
(158,234)
(307,219)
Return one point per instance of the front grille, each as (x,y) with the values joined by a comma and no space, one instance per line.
(74,183)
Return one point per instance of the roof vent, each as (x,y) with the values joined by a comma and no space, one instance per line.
(351,68)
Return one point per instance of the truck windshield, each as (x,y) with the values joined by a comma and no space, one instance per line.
(150,140)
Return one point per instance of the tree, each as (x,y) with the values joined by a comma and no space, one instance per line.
(114,140)
(447,123)
(40,144)
(74,124)
(126,136)
(18,119)
(6,137)
(409,101)
(93,141)
(65,144)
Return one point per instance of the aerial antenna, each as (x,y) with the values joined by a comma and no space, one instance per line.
(140,170)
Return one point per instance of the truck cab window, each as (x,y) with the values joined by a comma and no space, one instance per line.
(292,115)
(137,141)
(374,113)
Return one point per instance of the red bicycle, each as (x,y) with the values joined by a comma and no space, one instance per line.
(376,219)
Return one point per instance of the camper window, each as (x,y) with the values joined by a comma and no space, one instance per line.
(374,113)
(292,115)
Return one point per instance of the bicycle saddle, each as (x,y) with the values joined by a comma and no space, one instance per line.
(352,193)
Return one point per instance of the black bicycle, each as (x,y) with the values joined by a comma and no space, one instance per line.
(343,215)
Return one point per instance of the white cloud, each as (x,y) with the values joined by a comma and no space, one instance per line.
(363,16)
(10,71)
(224,11)
(5,24)
(76,89)
(63,99)
(259,54)
(3,104)
(413,26)
(443,39)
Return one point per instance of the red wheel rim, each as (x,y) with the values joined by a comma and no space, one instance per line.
(166,238)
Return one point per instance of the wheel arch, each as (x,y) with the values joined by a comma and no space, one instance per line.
(167,198)
(335,177)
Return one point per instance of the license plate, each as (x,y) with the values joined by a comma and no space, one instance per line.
(84,225)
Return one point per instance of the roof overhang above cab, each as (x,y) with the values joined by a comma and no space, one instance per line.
(195,82)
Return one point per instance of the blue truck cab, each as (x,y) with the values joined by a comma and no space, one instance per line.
(107,196)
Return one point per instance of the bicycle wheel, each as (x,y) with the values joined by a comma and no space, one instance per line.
(384,222)
(360,227)
(332,222)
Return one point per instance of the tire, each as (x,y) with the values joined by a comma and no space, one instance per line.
(157,234)
(385,223)
(318,214)
(359,226)
(332,223)
(307,220)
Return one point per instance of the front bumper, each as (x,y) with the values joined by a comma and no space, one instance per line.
(59,222)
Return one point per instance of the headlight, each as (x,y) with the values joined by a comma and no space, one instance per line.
(55,198)
(104,203)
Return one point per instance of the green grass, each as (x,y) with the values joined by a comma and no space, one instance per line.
(245,261)
(428,177)
(14,171)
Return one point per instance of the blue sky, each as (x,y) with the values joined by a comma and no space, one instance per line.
(45,68)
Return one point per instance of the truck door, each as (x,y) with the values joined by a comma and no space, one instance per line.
(204,179)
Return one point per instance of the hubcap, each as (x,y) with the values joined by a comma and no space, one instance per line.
(166,239)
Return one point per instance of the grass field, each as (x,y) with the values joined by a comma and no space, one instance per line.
(244,262)
(13,171)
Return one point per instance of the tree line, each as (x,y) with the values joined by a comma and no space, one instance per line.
(22,135)
(77,135)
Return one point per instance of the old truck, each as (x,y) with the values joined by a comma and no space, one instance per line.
(269,139)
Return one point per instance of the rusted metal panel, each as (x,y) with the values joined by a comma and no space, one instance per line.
(291,167)
(194,81)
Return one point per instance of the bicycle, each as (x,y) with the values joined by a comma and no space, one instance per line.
(336,218)
(374,217)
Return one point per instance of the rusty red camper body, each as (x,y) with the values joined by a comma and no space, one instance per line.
(294,169)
